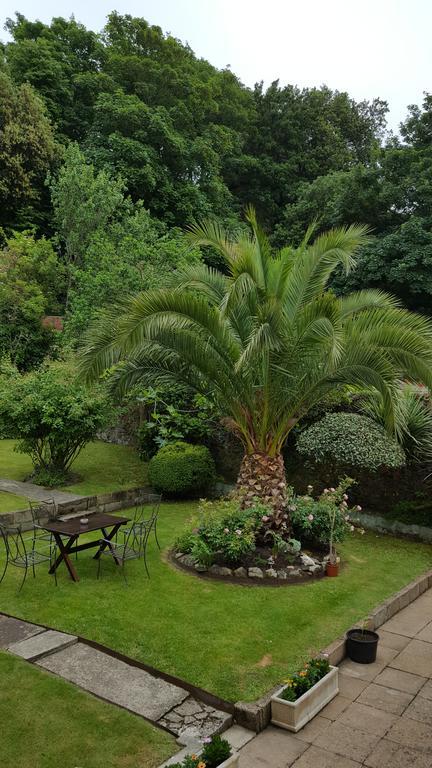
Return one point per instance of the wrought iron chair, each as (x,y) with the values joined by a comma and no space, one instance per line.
(146,515)
(133,547)
(22,553)
(40,511)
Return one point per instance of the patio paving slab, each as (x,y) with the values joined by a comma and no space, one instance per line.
(273,747)
(115,681)
(368,719)
(411,619)
(313,729)
(420,709)
(387,699)
(390,755)
(349,686)
(426,633)
(391,640)
(14,630)
(411,733)
(426,691)
(42,644)
(334,709)
(415,658)
(402,681)
(347,741)
(368,672)
(320,758)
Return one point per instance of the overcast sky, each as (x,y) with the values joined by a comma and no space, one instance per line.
(368,47)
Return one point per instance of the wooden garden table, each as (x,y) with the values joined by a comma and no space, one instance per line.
(66,534)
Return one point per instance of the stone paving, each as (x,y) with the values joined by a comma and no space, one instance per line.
(36,492)
(114,680)
(382,716)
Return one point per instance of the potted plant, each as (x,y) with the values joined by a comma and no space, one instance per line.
(216,753)
(304,694)
(362,645)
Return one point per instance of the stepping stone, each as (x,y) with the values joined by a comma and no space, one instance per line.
(195,719)
(115,681)
(42,644)
(14,630)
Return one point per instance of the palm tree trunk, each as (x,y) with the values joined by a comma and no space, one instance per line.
(263,477)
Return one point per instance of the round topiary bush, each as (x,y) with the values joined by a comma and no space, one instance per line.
(181,469)
(350,439)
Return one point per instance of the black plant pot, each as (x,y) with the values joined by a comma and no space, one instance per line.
(361,645)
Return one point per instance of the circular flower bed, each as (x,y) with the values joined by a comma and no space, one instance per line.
(226,541)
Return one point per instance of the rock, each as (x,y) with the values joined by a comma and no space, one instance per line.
(189,707)
(306,560)
(188,560)
(190,737)
(179,555)
(314,569)
(290,568)
(282,574)
(220,570)
(255,573)
(296,572)
(240,573)
(271,573)
(201,568)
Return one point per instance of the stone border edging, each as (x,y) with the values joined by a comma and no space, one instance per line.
(256,715)
(388,525)
(111,501)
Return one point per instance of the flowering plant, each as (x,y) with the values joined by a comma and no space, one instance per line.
(215,751)
(296,685)
(324,520)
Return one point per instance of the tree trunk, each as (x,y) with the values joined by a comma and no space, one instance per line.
(263,477)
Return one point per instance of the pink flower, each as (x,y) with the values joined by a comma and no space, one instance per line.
(310,488)
(310,518)
(345,496)
(238,531)
(326,490)
(264,518)
(358,508)
(332,490)
(226,530)
(206,740)
(344,504)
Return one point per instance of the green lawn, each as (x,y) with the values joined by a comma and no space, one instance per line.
(9,502)
(47,723)
(101,467)
(233,640)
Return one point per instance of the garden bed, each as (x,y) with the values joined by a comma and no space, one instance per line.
(254,568)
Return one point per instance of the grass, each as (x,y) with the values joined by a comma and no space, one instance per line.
(9,502)
(233,640)
(100,467)
(47,722)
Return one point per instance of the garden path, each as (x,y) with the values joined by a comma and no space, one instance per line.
(382,716)
(36,492)
(114,680)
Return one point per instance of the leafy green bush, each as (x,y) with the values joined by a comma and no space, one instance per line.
(222,528)
(181,469)
(53,417)
(320,520)
(350,439)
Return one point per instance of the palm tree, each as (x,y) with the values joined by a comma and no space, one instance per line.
(266,340)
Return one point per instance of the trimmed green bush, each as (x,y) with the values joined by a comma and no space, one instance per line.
(181,469)
(350,439)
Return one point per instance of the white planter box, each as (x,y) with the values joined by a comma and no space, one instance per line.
(232,761)
(293,715)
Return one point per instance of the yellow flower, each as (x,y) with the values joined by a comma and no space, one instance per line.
(201,765)
(194,757)
(288,682)
(302,673)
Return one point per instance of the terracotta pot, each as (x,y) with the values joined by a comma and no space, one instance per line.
(332,569)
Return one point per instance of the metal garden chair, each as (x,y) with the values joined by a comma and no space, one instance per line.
(133,547)
(146,515)
(22,552)
(41,511)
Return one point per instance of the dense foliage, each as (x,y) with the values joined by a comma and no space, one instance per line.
(52,416)
(181,469)
(215,751)
(324,519)
(350,440)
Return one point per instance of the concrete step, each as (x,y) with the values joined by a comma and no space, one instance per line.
(13,630)
(42,644)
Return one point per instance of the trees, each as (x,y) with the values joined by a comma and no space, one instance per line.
(27,152)
(32,282)
(53,417)
(267,341)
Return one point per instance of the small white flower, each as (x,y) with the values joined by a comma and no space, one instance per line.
(345,496)
(351,527)
(226,530)
(344,504)
(238,531)
(347,517)
(358,508)
(310,488)
(332,490)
